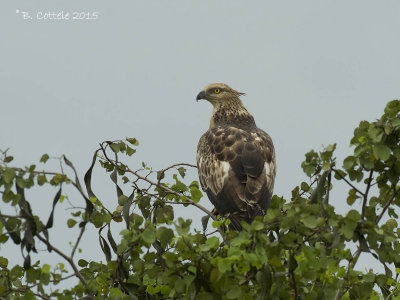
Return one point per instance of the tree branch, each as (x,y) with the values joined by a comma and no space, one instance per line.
(168,190)
(348,182)
(292,276)
(10,216)
(365,197)
(78,240)
(342,290)
(387,205)
(24,290)
(67,258)
(178,164)
(165,188)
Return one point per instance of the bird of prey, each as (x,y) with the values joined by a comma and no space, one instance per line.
(235,159)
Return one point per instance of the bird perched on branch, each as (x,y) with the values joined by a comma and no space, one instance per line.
(235,159)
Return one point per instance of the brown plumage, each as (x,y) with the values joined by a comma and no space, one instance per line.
(235,159)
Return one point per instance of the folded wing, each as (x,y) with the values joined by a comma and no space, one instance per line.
(237,171)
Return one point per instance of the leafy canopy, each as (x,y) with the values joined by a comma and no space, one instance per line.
(301,249)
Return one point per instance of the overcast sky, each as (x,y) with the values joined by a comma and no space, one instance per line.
(311,71)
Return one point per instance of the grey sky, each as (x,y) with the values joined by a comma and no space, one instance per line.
(311,71)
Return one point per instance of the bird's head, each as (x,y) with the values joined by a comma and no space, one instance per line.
(218,93)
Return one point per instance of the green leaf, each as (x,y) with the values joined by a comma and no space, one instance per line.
(205,296)
(160,175)
(309,169)
(57,179)
(356,175)
(17,271)
(350,223)
(164,235)
(130,151)
(148,236)
(340,174)
(392,108)
(44,158)
(8,159)
(391,223)
(376,134)
(8,175)
(330,148)
(351,198)
(116,293)
(224,265)
(133,141)
(213,242)
(182,171)
(116,147)
(179,285)
(195,193)
(46,268)
(382,152)
(82,263)
(41,179)
(234,293)
(3,262)
(349,162)
(257,225)
(309,221)
(71,223)
(353,215)
(122,199)
(204,221)
(304,186)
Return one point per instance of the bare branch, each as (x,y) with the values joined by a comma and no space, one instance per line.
(67,258)
(78,240)
(178,164)
(348,182)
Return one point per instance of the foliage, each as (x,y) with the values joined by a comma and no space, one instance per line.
(301,248)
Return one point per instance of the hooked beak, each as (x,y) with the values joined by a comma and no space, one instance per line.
(201,95)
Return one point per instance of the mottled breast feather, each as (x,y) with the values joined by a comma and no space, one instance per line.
(237,170)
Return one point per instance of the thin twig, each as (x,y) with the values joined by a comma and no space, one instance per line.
(159,185)
(293,278)
(67,258)
(37,172)
(387,205)
(348,182)
(24,290)
(365,197)
(10,216)
(53,173)
(341,291)
(78,240)
(52,281)
(165,188)
(176,165)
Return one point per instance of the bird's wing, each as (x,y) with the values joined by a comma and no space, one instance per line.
(237,170)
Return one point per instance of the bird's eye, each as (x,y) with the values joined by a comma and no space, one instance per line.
(217,91)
